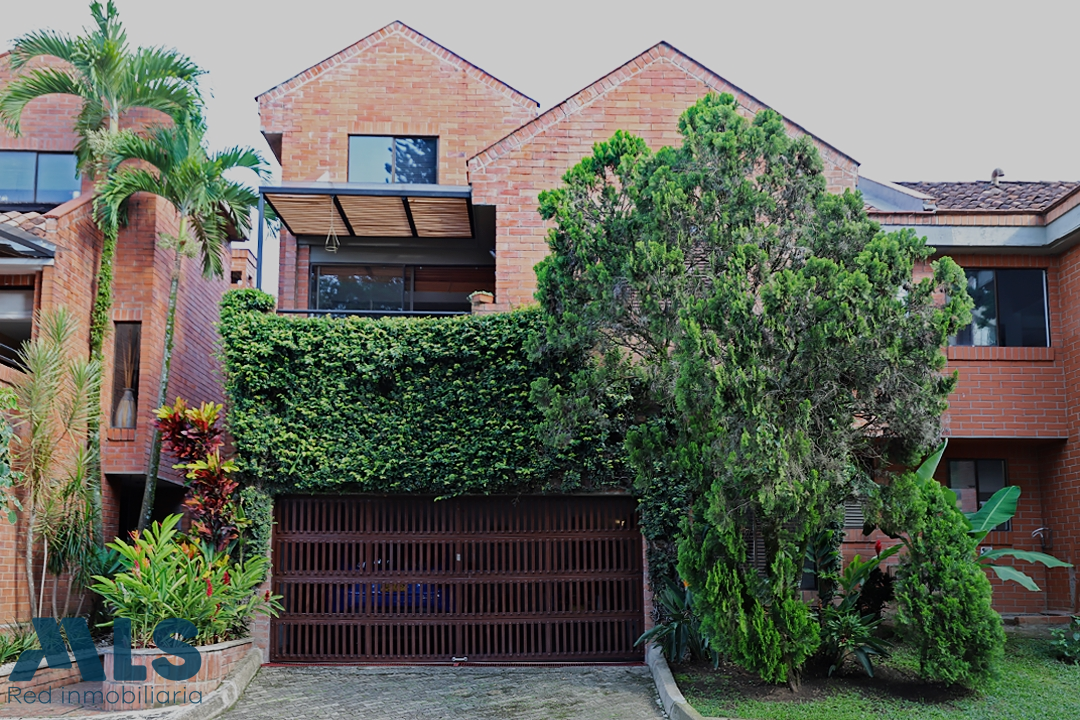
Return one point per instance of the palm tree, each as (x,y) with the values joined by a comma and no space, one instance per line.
(55,401)
(110,79)
(211,209)
(106,74)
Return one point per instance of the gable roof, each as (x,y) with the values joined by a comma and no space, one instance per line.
(984,195)
(661,52)
(399,28)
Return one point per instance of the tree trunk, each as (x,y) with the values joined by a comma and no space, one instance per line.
(44,572)
(29,555)
(99,328)
(163,389)
(67,594)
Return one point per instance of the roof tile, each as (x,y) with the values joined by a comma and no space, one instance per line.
(31,222)
(1019,196)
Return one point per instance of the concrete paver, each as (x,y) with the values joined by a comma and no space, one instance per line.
(450,693)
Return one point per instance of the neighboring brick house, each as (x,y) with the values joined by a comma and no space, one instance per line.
(49,253)
(1013,419)
(353,242)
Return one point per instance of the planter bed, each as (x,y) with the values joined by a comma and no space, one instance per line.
(217,661)
(44,679)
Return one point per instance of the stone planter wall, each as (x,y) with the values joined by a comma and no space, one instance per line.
(44,679)
(217,661)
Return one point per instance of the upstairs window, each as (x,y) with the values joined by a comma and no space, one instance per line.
(975,482)
(384,159)
(1010,309)
(31,178)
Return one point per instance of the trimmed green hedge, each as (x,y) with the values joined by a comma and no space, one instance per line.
(399,405)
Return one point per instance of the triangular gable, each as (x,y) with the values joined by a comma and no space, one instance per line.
(399,28)
(661,52)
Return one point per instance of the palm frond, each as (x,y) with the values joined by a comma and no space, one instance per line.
(154,63)
(125,183)
(156,148)
(211,233)
(241,157)
(31,86)
(44,43)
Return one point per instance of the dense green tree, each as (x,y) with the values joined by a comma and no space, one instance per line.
(786,351)
(176,166)
(110,79)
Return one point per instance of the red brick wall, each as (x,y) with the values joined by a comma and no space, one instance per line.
(1011,392)
(141,293)
(645,97)
(1061,464)
(394,82)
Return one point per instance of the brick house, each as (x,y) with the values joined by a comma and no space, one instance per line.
(1013,418)
(410,179)
(49,253)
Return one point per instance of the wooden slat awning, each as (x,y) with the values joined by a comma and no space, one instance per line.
(373,210)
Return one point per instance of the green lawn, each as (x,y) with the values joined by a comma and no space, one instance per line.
(1031,685)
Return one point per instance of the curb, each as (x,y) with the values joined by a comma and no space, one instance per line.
(227,693)
(671,697)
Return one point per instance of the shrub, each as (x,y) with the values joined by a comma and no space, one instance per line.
(943,594)
(845,633)
(166,576)
(17,639)
(678,632)
(849,627)
(194,436)
(1066,642)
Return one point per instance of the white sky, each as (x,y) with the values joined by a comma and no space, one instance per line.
(913,90)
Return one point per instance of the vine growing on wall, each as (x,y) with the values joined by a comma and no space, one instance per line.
(439,406)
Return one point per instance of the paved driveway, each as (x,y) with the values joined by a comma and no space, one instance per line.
(449,693)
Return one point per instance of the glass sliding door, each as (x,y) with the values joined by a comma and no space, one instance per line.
(398,288)
(362,287)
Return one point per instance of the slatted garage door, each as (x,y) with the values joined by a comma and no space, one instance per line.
(525,579)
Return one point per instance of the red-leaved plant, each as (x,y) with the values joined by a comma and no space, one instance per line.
(194,436)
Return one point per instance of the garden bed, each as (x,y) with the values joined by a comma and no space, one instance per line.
(1031,684)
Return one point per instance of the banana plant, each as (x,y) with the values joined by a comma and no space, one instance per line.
(999,509)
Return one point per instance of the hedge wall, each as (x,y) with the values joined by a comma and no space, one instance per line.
(400,405)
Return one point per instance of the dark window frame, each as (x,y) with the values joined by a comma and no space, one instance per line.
(393,156)
(35,202)
(997,307)
(1007,525)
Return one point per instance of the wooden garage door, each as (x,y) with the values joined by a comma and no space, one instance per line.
(528,579)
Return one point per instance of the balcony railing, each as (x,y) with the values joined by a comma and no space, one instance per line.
(375,313)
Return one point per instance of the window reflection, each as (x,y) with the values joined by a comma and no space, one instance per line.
(31,178)
(975,482)
(1010,309)
(398,288)
(383,159)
